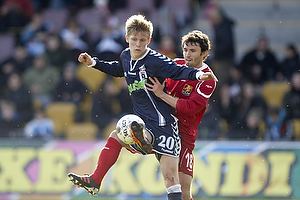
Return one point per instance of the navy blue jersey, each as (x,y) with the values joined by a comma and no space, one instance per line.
(151,64)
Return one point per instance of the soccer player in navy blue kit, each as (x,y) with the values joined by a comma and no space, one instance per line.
(137,63)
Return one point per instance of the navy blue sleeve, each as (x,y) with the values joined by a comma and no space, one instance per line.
(113,68)
(169,69)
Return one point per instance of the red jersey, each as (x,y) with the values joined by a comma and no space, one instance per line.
(191,105)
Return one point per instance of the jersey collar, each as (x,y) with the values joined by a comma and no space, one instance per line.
(136,61)
(203,67)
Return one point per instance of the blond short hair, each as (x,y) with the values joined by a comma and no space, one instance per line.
(138,23)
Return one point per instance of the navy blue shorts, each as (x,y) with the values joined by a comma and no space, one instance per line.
(165,139)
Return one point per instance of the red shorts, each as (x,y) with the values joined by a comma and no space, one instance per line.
(186,161)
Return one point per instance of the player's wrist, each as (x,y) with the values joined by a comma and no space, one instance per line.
(93,63)
(163,95)
(199,75)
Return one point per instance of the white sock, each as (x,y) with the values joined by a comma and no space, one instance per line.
(174,189)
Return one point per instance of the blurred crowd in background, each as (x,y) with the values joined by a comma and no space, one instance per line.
(257,97)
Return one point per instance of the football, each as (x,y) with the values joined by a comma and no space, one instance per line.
(123,127)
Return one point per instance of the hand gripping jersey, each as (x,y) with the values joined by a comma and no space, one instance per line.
(151,64)
(191,105)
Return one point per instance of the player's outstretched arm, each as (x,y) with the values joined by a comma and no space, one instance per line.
(85,58)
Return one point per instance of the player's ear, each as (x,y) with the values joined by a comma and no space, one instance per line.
(126,38)
(204,54)
(149,40)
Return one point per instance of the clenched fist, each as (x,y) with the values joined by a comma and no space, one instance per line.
(85,58)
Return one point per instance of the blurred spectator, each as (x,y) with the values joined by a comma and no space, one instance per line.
(112,41)
(105,105)
(277,127)
(115,5)
(247,128)
(260,64)
(15,14)
(39,127)
(18,62)
(21,59)
(210,125)
(6,70)
(167,47)
(41,79)
(249,100)
(20,96)
(291,62)
(41,4)
(124,99)
(236,80)
(72,5)
(225,105)
(74,37)
(291,100)
(56,52)
(9,120)
(70,89)
(35,34)
(223,43)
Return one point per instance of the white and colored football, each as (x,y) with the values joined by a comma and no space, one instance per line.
(123,127)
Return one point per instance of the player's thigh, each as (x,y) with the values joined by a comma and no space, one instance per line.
(149,136)
(165,139)
(186,161)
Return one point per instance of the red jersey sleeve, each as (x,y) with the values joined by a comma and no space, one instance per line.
(198,98)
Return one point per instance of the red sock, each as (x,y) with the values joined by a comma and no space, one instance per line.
(107,158)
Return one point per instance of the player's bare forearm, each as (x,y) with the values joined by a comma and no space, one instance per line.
(172,101)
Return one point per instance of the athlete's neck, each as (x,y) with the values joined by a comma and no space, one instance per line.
(200,65)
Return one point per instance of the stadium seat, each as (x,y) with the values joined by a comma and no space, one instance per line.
(296,128)
(92,78)
(82,131)
(86,106)
(94,16)
(62,114)
(7,42)
(136,5)
(57,17)
(261,130)
(180,8)
(273,93)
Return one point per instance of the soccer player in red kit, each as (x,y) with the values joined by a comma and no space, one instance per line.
(189,100)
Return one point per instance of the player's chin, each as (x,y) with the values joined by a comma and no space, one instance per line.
(189,64)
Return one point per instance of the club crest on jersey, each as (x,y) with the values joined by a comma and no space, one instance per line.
(187,90)
(142,72)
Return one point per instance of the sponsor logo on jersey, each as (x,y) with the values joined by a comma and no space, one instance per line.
(187,89)
(137,85)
